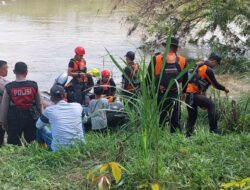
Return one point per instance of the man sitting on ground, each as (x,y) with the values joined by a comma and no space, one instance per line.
(97,110)
(65,120)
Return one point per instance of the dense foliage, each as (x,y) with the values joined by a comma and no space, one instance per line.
(222,24)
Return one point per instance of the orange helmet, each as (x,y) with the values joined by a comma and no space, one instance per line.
(79,50)
(105,73)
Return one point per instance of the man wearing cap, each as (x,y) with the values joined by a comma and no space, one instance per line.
(3,82)
(65,120)
(196,92)
(130,78)
(82,82)
(174,64)
(20,107)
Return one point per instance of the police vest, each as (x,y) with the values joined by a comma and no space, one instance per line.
(22,94)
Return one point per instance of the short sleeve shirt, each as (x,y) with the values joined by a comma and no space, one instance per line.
(66,123)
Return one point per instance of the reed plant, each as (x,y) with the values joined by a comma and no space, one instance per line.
(145,112)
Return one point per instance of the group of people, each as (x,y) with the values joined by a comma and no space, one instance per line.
(194,82)
(23,115)
(82,81)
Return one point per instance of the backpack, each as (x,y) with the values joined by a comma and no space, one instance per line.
(170,72)
(194,77)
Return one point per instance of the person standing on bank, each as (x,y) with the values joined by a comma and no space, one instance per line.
(169,107)
(196,93)
(21,107)
(3,82)
(130,77)
(82,82)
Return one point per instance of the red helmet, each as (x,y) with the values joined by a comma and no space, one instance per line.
(105,73)
(79,50)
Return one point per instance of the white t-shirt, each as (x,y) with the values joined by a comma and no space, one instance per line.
(66,123)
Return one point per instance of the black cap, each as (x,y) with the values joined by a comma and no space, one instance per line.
(21,68)
(98,90)
(215,56)
(174,41)
(130,55)
(2,63)
(57,91)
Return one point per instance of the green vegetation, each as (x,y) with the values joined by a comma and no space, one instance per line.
(223,25)
(203,161)
(150,154)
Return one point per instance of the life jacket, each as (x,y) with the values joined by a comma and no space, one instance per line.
(22,94)
(133,78)
(105,85)
(198,79)
(159,61)
(171,71)
(80,66)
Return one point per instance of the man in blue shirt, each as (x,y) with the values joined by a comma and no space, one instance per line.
(65,120)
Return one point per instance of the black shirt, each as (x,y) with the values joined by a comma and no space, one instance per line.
(215,83)
(111,89)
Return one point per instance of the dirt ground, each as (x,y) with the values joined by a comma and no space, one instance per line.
(237,85)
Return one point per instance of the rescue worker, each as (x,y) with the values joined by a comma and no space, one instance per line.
(169,105)
(107,83)
(196,89)
(21,107)
(82,82)
(3,82)
(130,78)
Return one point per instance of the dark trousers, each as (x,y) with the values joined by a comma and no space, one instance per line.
(195,101)
(78,91)
(170,110)
(2,132)
(20,122)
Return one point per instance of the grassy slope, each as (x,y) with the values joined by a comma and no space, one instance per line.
(200,162)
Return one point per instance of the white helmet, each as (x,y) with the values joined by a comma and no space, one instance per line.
(61,79)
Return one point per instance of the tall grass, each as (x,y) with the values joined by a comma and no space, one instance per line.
(146,112)
(234,115)
(203,161)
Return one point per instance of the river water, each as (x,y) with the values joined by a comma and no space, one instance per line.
(44,33)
